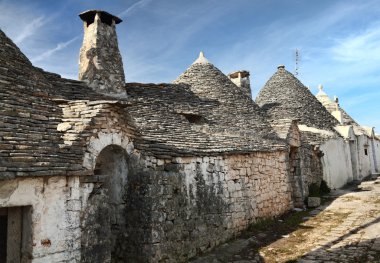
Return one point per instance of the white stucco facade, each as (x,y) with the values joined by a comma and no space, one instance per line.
(376,149)
(54,224)
(336,161)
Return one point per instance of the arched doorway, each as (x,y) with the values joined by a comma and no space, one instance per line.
(103,219)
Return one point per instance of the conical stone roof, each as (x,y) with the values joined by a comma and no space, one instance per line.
(237,114)
(209,82)
(325,99)
(29,118)
(331,106)
(29,139)
(284,96)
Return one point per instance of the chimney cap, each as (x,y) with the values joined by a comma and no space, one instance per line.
(235,74)
(90,14)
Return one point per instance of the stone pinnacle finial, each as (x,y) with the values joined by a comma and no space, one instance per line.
(320,87)
(201,59)
(281,67)
(336,100)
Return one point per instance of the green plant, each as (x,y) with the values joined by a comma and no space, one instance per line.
(324,188)
(314,190)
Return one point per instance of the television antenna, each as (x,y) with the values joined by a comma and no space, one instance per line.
(297,61)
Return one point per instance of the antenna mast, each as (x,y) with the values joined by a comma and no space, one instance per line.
(297,60)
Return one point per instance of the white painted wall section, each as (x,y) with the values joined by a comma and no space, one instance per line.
(336,161)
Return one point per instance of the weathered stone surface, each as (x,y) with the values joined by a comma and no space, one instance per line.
(345,230)
(206,202)
(54,230)
(284,96)
(313,201)
(241,79)
(168,172)
(237,116)
(100,63)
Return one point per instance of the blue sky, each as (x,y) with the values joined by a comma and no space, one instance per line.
(338,40)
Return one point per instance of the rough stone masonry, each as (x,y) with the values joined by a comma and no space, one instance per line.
(160,175)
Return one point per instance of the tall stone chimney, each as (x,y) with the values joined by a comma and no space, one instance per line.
(100,63)
(241,79)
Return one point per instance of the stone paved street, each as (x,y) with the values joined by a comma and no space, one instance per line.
(344,230)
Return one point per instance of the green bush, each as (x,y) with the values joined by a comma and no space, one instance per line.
(314,190)
(324,189)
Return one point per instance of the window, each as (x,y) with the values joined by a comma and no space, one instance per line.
(365,151)
(194,118)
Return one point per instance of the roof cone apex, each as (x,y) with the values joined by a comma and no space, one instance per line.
(201,59)
(320,91)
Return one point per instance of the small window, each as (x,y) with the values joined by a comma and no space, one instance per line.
(365,151)
(194,118)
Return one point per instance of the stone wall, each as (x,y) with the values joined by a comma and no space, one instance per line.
(305,167)
(310,167)
(288,130)
(172,209)
(166,210)
(295,178)
(176,208)
(153,209)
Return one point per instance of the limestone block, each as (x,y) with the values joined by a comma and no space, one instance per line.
(64,126)
(313,201)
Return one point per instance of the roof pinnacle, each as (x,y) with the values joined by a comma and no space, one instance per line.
(201,59)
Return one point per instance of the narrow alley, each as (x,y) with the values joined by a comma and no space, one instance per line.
(346,228)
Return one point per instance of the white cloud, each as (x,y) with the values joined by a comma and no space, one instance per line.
(133,7)
(49,52)
(29,29)
(359,47)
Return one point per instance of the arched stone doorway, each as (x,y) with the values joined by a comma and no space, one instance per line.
(103,218)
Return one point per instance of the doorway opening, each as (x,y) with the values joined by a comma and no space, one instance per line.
(104,218)
(15,234)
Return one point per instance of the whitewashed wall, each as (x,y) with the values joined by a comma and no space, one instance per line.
(365,163)
(336,161)
(376,149)
(55,215)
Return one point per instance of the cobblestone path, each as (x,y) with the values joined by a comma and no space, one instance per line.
(344,230)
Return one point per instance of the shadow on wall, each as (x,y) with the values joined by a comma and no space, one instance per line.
(115,222)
